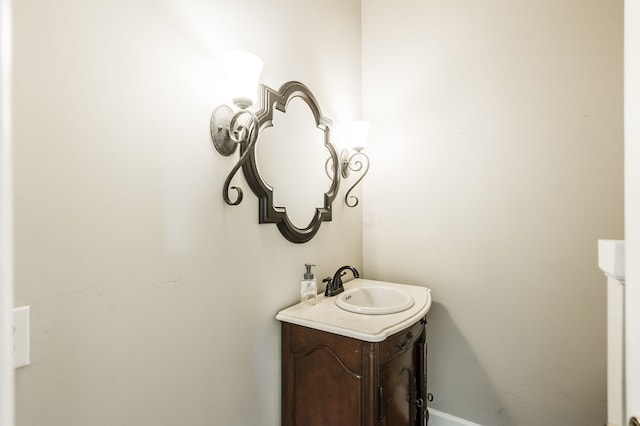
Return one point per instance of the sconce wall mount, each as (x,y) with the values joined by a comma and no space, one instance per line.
(220,130)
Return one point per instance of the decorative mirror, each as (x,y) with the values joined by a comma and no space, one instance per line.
(283,152)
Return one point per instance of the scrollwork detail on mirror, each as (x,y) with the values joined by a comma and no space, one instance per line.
(247,137)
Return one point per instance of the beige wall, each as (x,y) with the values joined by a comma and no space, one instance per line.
(152,301)
(497,164)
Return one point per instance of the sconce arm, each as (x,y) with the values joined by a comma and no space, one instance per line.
(356,166)
(240,133)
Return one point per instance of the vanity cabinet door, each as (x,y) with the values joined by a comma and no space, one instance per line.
(397,385)
(423,394)
(403,378)
(327,379)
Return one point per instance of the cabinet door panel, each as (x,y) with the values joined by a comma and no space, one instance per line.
(397,379)
(325,391)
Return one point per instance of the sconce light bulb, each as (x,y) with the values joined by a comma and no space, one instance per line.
(242,103)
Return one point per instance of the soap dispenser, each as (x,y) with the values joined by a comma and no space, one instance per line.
(308,286)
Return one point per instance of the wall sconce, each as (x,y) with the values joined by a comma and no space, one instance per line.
(357,134)
(229,129)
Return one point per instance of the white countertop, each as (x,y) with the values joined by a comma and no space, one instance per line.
(326,316)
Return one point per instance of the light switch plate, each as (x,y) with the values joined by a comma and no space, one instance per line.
(21,334)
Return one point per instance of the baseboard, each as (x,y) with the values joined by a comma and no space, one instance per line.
(438,418)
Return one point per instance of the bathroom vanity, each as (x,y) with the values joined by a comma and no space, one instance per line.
(346,368)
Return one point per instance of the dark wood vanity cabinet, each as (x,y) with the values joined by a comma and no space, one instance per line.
(332,380)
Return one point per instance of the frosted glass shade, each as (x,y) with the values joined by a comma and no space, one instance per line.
(243,76)
(358,133)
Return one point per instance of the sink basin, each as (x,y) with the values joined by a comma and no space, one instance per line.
(375,300)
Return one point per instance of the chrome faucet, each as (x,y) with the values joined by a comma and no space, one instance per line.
(334,285)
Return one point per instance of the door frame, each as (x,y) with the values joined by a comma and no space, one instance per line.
(7,392)
(632,204)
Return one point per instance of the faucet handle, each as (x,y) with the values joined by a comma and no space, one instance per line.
(328,289)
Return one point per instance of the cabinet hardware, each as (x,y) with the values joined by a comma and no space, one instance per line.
(407,343)
(420,402)
(633,421)
(430,397)
(380,404)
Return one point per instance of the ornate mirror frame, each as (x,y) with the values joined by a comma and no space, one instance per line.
(269,101)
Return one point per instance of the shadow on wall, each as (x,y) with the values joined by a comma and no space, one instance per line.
(455,374)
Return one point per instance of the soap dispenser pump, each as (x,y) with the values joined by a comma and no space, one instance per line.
(308,286)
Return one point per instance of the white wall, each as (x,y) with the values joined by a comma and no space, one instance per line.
(496,143)
(152,301)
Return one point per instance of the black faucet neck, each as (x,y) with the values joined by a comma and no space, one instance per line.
(334,285)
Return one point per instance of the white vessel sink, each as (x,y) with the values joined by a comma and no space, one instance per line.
(375,300)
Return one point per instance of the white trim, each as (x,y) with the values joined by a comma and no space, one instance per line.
(7,415)
(611,258)
(438,418)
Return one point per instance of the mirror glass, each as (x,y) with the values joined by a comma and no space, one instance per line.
(290,157)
